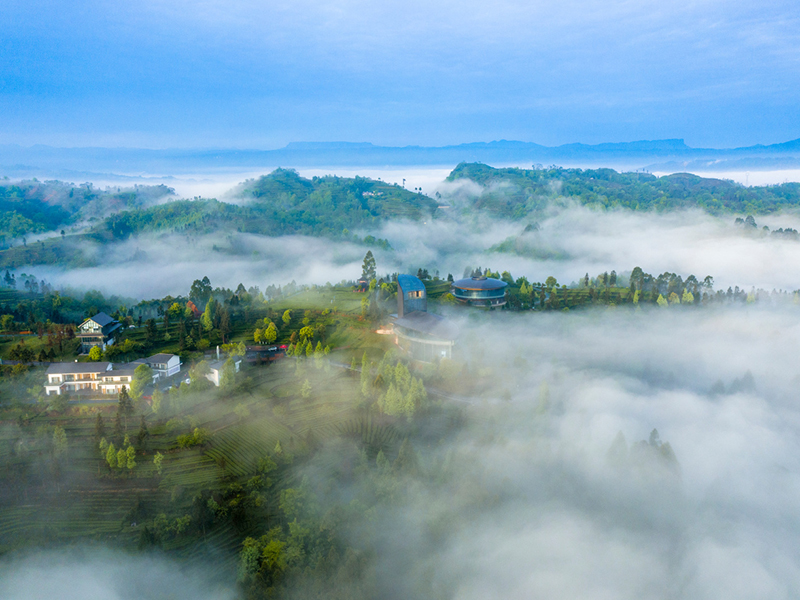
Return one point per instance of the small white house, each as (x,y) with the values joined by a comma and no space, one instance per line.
(163,365)
(214,374)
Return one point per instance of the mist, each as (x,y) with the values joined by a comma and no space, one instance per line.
(535,498)
(570,241)
(97,573)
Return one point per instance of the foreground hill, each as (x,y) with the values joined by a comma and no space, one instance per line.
(514,192)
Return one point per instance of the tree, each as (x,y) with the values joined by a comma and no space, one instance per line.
(224,324)
(305,389)
(142,377)
(111,455)
(271,334)
(59,442)
(368,268)
(208,315)
(228,375)
(551,281)
(95,354)
(118,431)
(130,458)
(99,428)
(287,317)
(124,403)
(158,461)
(661,301)
(122,458)
(365,376)
(143,434)
(200,290)
(158,398)
(197,374)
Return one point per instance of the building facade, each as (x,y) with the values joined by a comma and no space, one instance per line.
(163,365)
(424,336)
(97,331)
(411,295)
(75,378)
(214,374)
(480,291)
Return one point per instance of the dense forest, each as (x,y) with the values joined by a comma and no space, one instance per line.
(514,193)
(280,203)
(31,207)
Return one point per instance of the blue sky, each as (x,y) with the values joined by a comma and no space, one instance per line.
(239,73)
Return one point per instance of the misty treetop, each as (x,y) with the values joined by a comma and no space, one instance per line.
(30,207)
(515,192)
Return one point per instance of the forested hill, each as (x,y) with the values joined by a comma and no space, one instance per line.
(339,201)
(31,207)
(280,203)
(514,192)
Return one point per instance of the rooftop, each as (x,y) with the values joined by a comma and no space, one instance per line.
(160,358)
(428,323)
(410,283)
(67,368)
(102,319)
(479,283)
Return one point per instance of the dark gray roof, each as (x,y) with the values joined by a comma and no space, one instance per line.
(102,319)
(119,372)
(410,283)
(479,283)
(428,323)
(160,358)
(216,365)
(65,368)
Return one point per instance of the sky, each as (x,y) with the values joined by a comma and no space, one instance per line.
(256,74)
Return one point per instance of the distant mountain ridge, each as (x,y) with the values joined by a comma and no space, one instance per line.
(644,154)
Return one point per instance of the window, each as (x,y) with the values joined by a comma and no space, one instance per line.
(415,294)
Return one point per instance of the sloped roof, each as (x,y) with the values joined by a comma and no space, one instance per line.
(409,283)
(102,319)
(160,358)
(68,368)
(428,323)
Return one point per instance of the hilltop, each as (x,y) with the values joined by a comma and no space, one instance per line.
(514,192)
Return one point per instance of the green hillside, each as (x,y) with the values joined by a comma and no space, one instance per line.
(514,192)
(31,207)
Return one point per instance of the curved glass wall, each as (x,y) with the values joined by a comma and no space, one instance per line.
(479,294)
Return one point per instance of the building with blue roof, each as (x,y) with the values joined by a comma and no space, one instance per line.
(425,336)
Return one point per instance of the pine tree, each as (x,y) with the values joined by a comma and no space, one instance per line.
(122,458)
(365,373)
(124,402)
(406,462)
(368,269)
(158,398)
(99,428)
(111,455)
(118,431)
(59,442)
(130,455)
(143,434)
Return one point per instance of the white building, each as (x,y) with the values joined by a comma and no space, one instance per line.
(214,374)
(70,378)
(163,365)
